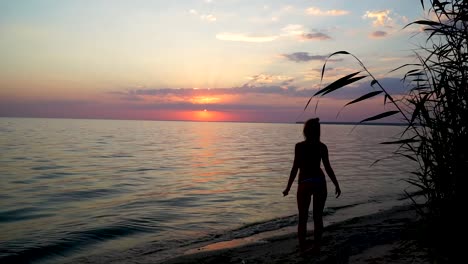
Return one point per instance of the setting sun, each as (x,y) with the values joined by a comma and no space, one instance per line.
(206,115)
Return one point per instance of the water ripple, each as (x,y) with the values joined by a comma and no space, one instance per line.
(21,214)
(74,186)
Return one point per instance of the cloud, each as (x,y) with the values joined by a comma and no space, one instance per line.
(301,32)
(209,17)
(318,12)
(387,59)
(315,36)
(268,78)
(191,92)
(389,21)
(393,85)
(213,95)
(293,30)
(378,34)
(245,38)
(304,57)
(330,74)
(49,108)
(204,17)
(287,8)
(381,18)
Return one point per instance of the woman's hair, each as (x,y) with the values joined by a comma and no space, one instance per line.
(312,130)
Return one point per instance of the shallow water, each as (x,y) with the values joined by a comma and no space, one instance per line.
(91,187)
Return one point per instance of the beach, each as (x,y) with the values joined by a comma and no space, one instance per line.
(384,237)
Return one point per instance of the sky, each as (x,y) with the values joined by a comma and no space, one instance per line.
(199,60)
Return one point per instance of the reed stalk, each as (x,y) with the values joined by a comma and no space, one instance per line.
(435,112)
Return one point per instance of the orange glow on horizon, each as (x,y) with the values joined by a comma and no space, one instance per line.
(205,115)
(205,99)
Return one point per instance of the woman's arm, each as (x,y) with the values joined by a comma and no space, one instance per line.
(329,170)
(294,170)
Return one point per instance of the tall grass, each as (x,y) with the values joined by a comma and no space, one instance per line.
(435,112)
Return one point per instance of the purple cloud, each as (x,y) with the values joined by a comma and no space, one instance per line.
(393,85)
(378,34)
(315,36)
(190,92)
(304,57)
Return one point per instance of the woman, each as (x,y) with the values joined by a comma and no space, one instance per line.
(308,155)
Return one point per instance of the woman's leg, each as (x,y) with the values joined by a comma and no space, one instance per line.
(303,203)
(318,204)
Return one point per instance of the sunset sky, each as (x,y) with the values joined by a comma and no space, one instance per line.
(206,60)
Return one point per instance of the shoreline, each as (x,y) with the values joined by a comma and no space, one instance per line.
(387,235)
(256,236)
(383,237)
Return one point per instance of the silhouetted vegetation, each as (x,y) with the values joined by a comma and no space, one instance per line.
(435,112)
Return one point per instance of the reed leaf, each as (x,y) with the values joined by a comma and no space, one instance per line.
(416,183)
(385,99)
(338,83)
(331,55)
(364,97)
(402,141)
(308,102)
(425,23)
(380,116)
(403,66)
(337,86)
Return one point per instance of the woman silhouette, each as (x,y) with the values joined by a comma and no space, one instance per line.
(308,155)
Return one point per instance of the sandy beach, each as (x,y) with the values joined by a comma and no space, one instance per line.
(384,237)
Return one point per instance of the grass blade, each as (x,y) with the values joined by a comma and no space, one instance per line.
(379,116)
(338,83)
(308,102)
(331,55)
(346,82)
(424,22)
(403,141)
(364,97)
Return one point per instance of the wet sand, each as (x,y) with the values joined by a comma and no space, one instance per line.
(384,237)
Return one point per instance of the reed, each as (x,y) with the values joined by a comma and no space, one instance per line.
(435,112)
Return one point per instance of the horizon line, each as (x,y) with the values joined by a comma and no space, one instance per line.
(198,121)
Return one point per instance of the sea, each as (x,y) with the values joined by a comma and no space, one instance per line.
(89,191)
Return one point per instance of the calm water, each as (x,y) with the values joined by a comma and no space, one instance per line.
(73,188)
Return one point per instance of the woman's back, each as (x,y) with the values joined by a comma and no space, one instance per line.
(307,158)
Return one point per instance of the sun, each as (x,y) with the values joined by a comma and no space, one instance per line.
(206,115)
